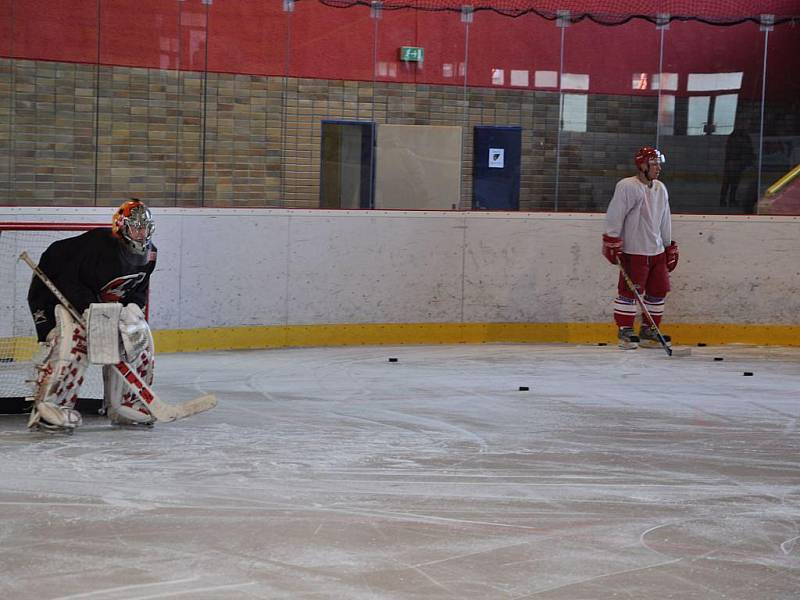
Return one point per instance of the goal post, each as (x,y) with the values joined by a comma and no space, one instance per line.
(18,345)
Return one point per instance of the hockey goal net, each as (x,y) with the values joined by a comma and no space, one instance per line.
(18,345)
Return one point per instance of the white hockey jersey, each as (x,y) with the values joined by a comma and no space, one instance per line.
(640,215)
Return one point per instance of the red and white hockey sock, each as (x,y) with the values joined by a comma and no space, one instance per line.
(624,311)
(655,306)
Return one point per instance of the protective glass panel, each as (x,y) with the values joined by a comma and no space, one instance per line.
(220,103)
(610,108)
(243,103)
(139,124)
(779,181)
(51,103)
(329,75)
(712,154)
(516,85)
(419,113)
(7,73)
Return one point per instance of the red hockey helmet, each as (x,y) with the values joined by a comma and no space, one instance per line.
(133,224)
(647,154)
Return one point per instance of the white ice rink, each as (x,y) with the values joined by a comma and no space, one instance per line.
(335,474)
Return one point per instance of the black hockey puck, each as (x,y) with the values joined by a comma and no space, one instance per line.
(524,388)
(748,373)
(392,360)
(718,358)
(602,344)
(701,344)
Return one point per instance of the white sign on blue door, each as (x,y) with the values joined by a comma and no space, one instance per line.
(496,158)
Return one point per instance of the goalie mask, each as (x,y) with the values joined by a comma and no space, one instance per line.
(133,225)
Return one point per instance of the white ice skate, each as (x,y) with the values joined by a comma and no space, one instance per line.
(628,340)
(50,418)
(130,414)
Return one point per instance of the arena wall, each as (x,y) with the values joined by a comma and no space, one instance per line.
(76,134)
(244,278)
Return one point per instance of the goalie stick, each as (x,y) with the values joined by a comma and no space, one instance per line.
(646,313)
(159,409)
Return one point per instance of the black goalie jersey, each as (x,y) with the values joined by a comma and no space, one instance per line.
(92,267)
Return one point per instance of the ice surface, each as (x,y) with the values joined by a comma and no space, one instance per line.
(334,473)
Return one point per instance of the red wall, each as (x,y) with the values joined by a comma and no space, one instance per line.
(61,31)
(247,36)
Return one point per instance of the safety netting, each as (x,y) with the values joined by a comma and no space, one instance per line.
(610,12)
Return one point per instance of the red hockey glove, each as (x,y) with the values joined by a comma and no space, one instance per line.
(612,248)
(672,256)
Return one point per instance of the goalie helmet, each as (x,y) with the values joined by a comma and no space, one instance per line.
(647,154)
(133,224)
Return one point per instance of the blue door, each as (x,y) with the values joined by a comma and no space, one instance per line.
(347,169)
(495,168)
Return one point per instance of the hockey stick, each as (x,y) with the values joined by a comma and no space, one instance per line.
(156,407)
(646,313)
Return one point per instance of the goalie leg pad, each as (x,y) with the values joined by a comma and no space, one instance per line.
(135,333)
(137,341)
(59,375)
(122,406)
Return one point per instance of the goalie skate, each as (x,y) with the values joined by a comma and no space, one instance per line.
(130,412)
(49,418)
(125,424)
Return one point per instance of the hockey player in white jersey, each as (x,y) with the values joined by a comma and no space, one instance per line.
(638,233)
(104,274)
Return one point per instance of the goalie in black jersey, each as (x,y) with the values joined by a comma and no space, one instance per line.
(105,275)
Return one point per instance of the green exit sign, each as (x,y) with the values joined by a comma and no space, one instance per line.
(412,53)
